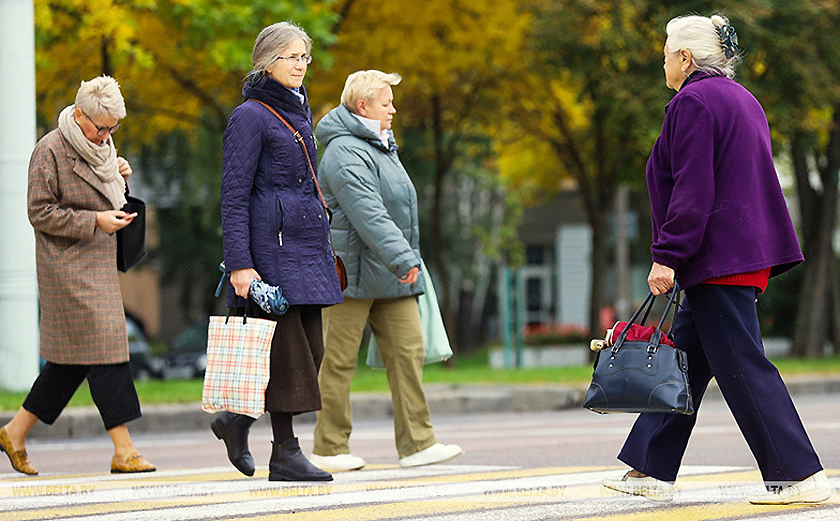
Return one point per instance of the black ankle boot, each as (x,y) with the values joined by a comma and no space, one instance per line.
(233,429)
(289,464)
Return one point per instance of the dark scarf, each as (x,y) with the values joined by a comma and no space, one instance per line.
(264,88)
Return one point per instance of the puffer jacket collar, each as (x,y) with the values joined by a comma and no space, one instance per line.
(263,87)
(341,122)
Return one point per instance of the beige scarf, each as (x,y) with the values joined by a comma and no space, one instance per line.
(102,159)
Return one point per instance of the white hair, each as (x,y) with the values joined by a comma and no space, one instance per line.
(365,85)
(101,96)
(273,40)
(702,36)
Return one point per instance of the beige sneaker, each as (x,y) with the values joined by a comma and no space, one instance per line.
(338,462)
(647,487)
(437,453)
(814,489)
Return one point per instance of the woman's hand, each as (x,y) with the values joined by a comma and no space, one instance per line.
(660,279)
(411,276)
(112,220)
(241,280)
(124,167)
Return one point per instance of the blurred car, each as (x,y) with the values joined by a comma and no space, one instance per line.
(141,361)
(187,354)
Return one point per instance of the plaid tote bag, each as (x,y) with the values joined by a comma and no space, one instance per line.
(237,372)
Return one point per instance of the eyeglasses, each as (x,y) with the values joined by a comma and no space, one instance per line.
(305,58)
(101,131)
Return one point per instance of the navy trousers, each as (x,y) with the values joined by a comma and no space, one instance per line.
(719,330)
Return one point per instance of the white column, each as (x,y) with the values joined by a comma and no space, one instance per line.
(18,286)
(574,273)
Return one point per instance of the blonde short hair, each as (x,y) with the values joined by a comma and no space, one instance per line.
(101,96)
(365,85)
(273,40)
(703,37)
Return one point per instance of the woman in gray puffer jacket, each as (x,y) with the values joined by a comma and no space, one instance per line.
(376,232)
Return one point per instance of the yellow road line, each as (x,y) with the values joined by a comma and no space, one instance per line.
(705,512)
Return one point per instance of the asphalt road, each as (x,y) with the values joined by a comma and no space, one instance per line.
(532,466)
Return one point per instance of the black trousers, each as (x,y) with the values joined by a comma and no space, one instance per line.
(111,387)
(719,330)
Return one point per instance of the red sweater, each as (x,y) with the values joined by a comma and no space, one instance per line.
(758,278)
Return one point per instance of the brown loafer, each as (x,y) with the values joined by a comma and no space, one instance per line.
(19,459)
(131,464)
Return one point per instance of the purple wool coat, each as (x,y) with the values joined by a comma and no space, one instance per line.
(272,218)
(716,201)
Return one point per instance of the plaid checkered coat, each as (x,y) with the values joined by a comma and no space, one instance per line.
(82,316)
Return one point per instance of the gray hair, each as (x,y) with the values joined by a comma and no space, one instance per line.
(101,96)
(273,40)
(365,85)
(703,36)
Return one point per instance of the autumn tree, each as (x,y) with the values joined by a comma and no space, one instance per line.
(792,63)
(460,63)
(180,64)
(594,104)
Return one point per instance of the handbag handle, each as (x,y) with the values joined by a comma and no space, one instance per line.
(654,339)
(247,303)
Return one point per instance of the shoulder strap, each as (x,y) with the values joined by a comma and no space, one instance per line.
(299,140)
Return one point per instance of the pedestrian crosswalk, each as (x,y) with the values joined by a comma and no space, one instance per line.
(387,492)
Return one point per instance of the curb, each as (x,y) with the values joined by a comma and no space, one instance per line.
(443,399)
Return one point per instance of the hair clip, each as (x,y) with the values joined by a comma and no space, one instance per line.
(728,40)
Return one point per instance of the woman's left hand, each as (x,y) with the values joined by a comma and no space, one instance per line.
(411,276)
(660,279)
(125,168)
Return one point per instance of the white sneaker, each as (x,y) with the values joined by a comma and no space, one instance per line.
(337,463)
(814,489)
(648,487)
(437,453)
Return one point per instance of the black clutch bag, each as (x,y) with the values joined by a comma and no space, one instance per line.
(131,240)
(641,376)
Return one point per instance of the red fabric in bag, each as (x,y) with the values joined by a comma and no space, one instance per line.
(640,333)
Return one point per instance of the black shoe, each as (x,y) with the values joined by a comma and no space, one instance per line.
(289,464)
(233,429)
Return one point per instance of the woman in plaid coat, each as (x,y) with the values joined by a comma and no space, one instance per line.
(76,189)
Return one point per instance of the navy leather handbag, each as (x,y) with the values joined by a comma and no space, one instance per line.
(641,376)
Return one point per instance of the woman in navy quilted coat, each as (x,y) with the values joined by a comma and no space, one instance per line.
(275,228)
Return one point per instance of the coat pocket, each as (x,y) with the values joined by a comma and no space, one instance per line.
(278,219)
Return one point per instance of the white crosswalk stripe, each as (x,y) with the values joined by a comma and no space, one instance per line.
(448,492)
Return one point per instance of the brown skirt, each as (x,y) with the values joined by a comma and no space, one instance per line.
(297,350)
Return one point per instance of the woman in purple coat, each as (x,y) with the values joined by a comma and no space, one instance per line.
(721,229)
(275,228)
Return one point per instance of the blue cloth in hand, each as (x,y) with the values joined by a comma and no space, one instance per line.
(269,298)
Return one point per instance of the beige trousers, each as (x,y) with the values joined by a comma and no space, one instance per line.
(396,325)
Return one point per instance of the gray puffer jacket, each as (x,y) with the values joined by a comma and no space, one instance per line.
(374,204)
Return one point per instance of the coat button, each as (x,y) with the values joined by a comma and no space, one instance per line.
(304,217)
(319,217)
(300,181)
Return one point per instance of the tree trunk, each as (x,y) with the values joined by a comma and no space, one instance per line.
(819,217)
(599,265)
(438,245)
(106,57)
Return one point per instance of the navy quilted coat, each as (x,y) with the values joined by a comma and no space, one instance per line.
(272,218)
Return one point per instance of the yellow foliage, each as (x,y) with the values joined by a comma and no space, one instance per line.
(462,52)
(180,63)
